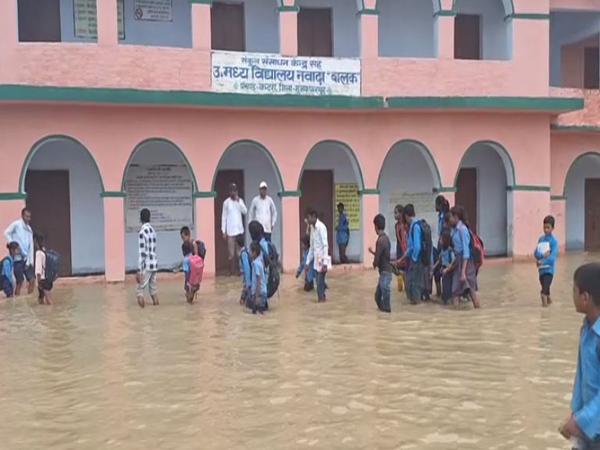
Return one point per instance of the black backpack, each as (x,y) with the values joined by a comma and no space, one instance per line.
(426,242)
(271,261)
(52,265)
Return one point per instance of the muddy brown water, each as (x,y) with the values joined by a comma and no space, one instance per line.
(97,372)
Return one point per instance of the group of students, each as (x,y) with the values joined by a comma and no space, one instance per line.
(27,259)
(453,264)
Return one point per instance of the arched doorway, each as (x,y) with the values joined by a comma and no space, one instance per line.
(158,177)
(331,174)
(483,183)
(582,190)
(247,164)
(63,186)
(408,175)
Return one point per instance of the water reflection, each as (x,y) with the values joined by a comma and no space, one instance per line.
(95,371)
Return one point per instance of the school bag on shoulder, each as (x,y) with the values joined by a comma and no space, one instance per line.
(272,270)
(426,242)
(196,264)
(52,265)
(477,250)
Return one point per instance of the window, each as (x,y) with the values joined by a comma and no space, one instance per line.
(228,31)
(315,32)
(39,21)
(467,36)
(591,68)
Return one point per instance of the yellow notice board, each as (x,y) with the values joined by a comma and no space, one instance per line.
(347,194)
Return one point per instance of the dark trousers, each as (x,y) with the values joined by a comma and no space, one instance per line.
(383,292)
(447,287)
(321,285)
(343,257)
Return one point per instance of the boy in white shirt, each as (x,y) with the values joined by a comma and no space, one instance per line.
(44,286)
(318,253)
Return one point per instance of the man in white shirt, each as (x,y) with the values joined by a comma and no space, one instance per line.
(318,253)
(232,225)
(263,210)
(20,232)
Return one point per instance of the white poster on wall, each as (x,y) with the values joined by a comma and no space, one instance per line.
(86,24)
(154,10)
(256,73)
(424,203)
(166,190)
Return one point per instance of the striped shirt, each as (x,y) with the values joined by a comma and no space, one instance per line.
(147,249)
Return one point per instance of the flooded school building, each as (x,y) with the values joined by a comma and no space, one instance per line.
(110,106)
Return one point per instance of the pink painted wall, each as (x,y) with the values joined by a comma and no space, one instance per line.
(565,147)
(588,116)
(558,210)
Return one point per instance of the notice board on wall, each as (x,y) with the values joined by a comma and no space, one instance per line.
(86,22)
(153,10)
(166,190)
(424,203)
(347,193)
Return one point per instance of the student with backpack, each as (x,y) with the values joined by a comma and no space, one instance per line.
(45,271)
(7,283)
(400,271)
(412,256)
(270,258)
(194,269)
(465,274)
(258,290)
(442,207)
(445,265)
(245,262)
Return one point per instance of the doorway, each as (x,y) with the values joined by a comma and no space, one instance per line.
(466,194)
(315,37)
(317,192)
(592,214)
(222,182)
(49,200)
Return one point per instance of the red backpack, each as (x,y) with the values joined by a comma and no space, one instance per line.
(196,270)
(477,250)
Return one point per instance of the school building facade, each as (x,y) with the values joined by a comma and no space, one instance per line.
(108,106)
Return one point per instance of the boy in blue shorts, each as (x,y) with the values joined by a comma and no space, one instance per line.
(545,255)
(257,300)
(583,426)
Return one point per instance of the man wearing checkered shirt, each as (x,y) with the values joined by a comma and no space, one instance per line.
(148,263)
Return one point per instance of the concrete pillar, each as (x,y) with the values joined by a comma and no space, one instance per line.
(529,210)
(369,34)
(201,26)
(290,240)
(444,27)
(108,25)
(205,228)
(370,208)
(558,208)
(9,36)
(288,29)
(114,238)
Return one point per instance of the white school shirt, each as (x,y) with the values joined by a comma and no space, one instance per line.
(22,234)
(40,264)
(319,248)
(264,211)
(231,218)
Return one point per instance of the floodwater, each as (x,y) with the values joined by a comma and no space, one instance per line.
(97,372)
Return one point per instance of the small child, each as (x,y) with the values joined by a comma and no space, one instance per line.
(446,263)
(44,286)
(7,270)
(258,293)
(583,425)
(195,266)
(186,249)
(245,269)
(545,255)
(381,261)
(342,233)
(309,275)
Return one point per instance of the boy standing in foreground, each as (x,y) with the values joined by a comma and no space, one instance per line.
(583,426)
(257,300)
(381,261)
(148,263)
(545,255)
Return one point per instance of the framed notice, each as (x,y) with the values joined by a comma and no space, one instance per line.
(347,193)
(85,18)
(166,190)
(154,10)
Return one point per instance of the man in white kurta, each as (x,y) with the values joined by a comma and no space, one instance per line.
(232,225)
(318,254)
(263,211)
